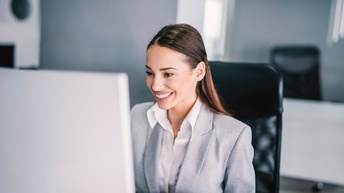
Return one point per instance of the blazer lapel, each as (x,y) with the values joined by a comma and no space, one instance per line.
(197,150)
(151,159)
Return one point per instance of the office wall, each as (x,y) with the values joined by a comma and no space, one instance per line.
(109,35)
(194,18)
(103,35)
(260,25)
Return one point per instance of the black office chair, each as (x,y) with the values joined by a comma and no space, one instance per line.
(253,93)
(300,67)
(7,55)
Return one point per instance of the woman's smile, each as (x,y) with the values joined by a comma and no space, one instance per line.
(162,96)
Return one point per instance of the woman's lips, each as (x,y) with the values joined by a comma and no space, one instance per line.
(162,96)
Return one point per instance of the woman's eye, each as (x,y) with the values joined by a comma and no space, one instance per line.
(149,73)
(168,74)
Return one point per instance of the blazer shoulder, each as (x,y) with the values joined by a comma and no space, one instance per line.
(141,108)
(138,114)
(229,124)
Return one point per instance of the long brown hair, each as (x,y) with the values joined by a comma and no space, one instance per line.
(185,39)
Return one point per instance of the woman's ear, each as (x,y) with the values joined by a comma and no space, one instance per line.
(200,71)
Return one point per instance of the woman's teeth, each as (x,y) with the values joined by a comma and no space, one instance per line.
(161,96)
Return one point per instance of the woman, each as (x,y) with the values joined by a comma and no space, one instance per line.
(186,141)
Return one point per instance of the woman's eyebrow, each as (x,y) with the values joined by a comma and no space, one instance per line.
(168,68)
(163,69)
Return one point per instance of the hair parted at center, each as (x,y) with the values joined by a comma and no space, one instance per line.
(185,39)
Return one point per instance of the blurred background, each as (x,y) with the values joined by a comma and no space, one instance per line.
(112,35)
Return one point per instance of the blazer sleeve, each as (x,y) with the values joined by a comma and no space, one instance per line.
(240,175)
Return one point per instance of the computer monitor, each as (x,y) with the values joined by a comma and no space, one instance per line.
(64,132)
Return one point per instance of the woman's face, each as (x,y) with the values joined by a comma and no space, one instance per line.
(169,77)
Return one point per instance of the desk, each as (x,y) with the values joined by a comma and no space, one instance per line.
(292,185)
(313,140)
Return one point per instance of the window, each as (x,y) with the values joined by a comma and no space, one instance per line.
(336,27)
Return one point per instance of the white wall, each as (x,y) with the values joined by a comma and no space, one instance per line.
(103,35)
(191,12)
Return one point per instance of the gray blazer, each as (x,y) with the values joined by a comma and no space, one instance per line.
(218,159)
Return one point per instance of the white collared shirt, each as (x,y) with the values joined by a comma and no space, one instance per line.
(172,151)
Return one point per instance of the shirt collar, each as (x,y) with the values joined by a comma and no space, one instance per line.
(154,112)
(193,114)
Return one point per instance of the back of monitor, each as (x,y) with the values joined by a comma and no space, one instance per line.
(64,132)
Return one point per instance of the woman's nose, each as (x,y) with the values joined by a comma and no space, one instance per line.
(158,84)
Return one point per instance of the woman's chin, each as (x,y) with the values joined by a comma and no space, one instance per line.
(163,106)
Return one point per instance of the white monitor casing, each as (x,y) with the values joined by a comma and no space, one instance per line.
(64,132)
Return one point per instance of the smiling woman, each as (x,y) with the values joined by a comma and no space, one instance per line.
(169,78)
(186,135)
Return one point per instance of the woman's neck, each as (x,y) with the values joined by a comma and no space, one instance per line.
(176,116)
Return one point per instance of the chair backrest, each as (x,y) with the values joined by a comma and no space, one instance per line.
(7,55)
(300,67)
(253,93)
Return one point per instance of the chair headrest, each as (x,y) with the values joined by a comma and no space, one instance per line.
(295,59)
(248,89)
